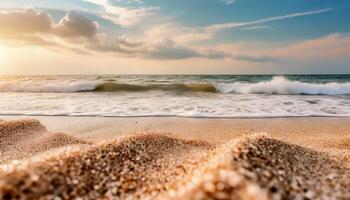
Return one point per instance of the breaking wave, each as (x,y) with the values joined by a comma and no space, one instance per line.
(281,85)
(180,87)
(102,87)
(277,85)
(47,86)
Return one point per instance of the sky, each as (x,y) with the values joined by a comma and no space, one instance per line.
(174,37)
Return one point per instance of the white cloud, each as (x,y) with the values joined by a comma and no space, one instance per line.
(34,22)
(97,2)
(255,58)
(76,25)
(26,20)
(186,35)
(123,16)
(78,33)
(178,33)
(251,28)
(228,2)
(219,27)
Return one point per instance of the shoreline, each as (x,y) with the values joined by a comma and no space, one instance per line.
(305,131)
(174,116)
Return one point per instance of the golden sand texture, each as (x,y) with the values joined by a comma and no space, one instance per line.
(25,138)
(342,144)
(137,166)
(161,166)
(265,168)
(13,131)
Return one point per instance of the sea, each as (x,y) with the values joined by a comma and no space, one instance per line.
(206,96)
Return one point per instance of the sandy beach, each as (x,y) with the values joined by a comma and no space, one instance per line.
(174,100)
(320,133)
(174,158)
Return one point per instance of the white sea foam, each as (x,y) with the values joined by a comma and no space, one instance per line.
(33,86)
(281,85)
(155,103)
(174,96)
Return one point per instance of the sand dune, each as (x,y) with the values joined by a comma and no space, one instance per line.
(161,166)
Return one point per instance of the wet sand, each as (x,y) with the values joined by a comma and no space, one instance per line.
(174,158)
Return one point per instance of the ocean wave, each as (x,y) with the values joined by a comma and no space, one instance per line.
(277,85)
(108,86)
(281,85)
(181,87)
(47,86)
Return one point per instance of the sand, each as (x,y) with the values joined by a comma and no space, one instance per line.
(227,160)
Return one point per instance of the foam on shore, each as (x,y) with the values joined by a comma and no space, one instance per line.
(161,166)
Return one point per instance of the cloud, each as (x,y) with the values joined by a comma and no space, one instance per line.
(219,27)
(78,33)
(33,22)
(104,42)
(27,20)
(331,47)
(123,16)
(74,31)
(168,49)
(36,28)
(255,58)
(76,25)
(164,49)
(164,52)
(251,28)
(228,2)
(187,35)
(178,33)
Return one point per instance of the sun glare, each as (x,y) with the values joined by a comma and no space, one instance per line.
(5,57)
(2,53)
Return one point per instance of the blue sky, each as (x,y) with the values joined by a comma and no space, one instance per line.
(241,36)
(207,12)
